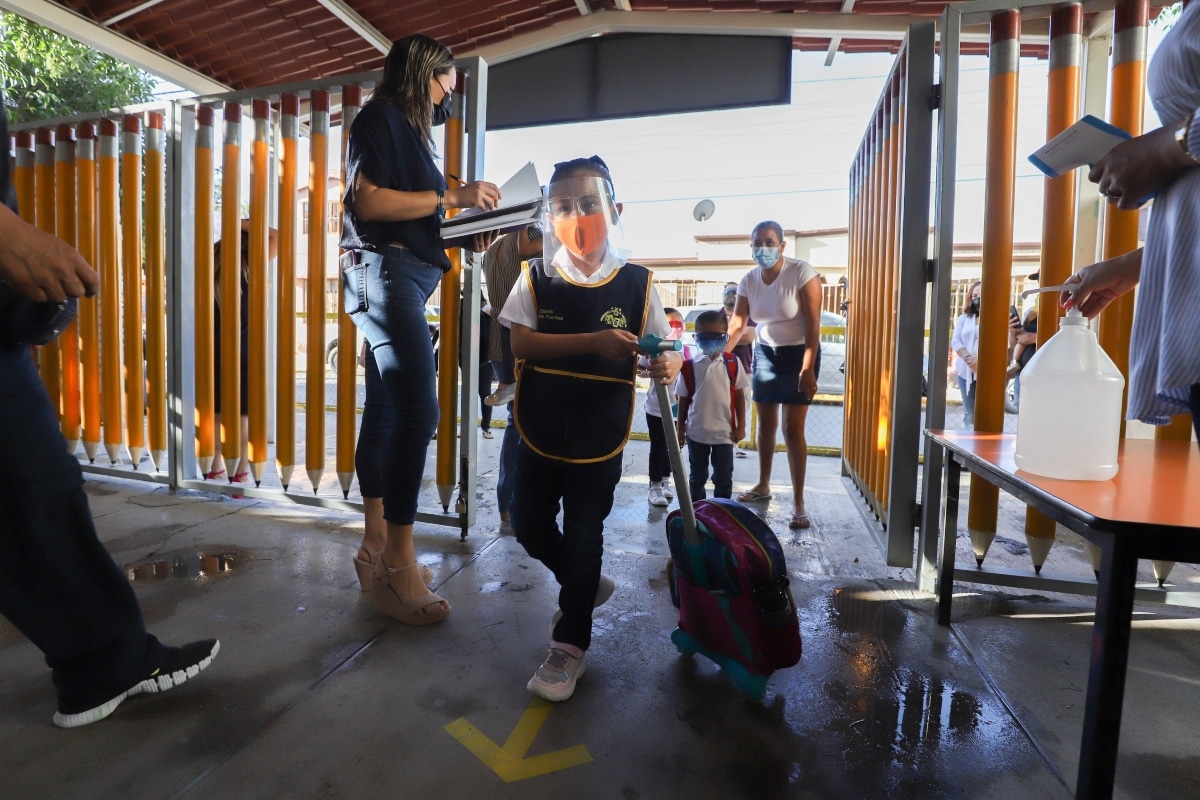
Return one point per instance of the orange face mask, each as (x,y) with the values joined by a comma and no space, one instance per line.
(582,236)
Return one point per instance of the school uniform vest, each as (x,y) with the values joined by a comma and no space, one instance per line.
(579,409)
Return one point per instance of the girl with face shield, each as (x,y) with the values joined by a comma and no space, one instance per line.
(575,317)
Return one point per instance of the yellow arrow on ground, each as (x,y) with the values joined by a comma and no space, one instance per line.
(509,761)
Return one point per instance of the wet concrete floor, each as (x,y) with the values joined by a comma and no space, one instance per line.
(313,696)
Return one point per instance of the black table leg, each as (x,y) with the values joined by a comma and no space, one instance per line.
(1106,679)
(949,538)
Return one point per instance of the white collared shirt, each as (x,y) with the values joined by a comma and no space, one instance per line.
(521,309)
(710,418)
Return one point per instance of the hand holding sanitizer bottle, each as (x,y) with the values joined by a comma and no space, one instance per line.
(1069,422)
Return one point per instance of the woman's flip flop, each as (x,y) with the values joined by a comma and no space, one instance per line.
(751,496)
(799,521)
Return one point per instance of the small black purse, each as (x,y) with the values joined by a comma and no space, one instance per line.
(24,321)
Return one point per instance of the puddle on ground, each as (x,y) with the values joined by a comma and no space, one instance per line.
(188,566)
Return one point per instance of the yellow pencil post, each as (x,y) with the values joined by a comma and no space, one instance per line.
(347,366)
(89,309)
(1058,217)
(1000,182)
(285,360)
(451,320)
(68,340)
(23,178)
(1127,104)
(318,203)
(49,361)
(156,288)
(110,291)
(206,438)
(257,346)
(229,290)
(131,277)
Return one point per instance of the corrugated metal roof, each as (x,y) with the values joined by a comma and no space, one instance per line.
(250,43)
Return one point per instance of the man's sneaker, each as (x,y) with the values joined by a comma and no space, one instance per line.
(668,492)
(502,396)
(656,496)
(603,592)
(181,663)
(556,677)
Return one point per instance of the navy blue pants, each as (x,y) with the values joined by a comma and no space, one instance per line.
(721,457)
(506,480)
(575,553)
(58,585)
(396,437)
(1194,400)
(660,460)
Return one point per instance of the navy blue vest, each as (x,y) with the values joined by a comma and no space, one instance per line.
(579,409)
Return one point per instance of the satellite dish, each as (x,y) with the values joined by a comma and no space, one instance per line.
(703,210)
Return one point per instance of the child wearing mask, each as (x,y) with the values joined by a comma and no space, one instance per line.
(576,316)
(712,407)
(660,461)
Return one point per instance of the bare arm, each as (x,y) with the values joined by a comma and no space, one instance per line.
(810,298)
(739,421)
(737,322)
(373,203)
(685,403)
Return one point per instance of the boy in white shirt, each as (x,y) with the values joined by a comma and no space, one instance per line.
(712,407)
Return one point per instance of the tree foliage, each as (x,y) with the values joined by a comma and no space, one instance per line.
(46,75)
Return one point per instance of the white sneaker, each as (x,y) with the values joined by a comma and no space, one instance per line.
(739,452)
(657,498)
(668,492)
(502,396)
(556,677)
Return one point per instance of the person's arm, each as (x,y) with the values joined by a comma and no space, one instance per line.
(1102,282)
(39,265)
(685,403)
(749,334)
(1134,170)
(959,344)
(810,300)
(373,203)
(739,410)
(737,321)
(272,238)
(613,343)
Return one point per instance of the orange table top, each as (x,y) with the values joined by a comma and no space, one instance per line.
(1158,482)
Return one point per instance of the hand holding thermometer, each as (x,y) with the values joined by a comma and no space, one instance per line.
(652,346)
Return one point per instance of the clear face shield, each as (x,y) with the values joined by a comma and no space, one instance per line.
(582,225)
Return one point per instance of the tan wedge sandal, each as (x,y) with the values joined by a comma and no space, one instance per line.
(364,569)
(420,610)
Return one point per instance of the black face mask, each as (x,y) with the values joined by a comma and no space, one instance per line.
(442,111)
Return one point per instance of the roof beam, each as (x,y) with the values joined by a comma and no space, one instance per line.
(834,43)
(61,20)
(352,20)
(108,23)
(889,28)
(584,7)
(623,5)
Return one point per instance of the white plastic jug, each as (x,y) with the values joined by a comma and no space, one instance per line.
(1069,422)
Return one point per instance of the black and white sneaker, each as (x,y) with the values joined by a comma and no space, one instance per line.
(181,664)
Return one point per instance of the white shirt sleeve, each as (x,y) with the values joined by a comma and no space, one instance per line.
(657,323)
(519,307)
(743,378)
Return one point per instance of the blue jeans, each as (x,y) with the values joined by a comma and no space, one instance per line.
(58,584)
(397,440)
(506,481)
(968,401)
(721,456)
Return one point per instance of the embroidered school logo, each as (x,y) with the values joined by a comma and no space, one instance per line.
(614,317)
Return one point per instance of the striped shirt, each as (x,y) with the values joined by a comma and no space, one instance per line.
(1164,351)
(501,268)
